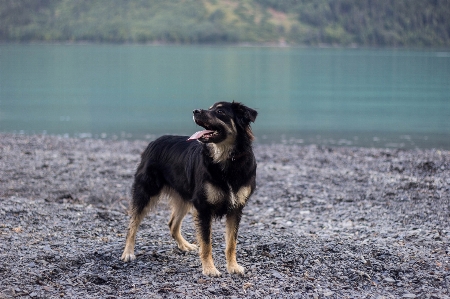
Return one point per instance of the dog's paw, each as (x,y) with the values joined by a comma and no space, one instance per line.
(211,271)
(188,247)
(235,269)
(128,257)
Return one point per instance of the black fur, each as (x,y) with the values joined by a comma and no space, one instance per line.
(224,159)
(186,165)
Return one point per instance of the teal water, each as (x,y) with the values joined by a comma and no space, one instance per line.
(360,97)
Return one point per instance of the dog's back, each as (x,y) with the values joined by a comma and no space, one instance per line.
(166,162)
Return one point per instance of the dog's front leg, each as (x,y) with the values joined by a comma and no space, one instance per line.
(203,225)
(232,226)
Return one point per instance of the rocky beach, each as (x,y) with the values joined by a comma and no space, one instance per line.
(324,222)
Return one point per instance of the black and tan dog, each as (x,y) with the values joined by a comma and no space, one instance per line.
(215,177)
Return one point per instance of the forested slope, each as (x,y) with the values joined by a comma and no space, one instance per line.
(414,23)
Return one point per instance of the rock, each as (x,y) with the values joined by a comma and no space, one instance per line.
(277,274)
(389,279)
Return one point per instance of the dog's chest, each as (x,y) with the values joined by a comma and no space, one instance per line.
(216,195)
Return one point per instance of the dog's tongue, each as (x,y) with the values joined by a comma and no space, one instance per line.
(199,134)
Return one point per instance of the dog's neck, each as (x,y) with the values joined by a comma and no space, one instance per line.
(223,153)
(220,153)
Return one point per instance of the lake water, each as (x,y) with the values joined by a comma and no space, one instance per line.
(357,97)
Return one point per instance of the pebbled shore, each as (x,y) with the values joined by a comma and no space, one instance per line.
(323,223)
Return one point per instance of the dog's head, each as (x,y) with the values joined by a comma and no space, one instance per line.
(224,122)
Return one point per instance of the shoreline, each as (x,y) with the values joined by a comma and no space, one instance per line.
(236,45)
(367,140)
(333,222)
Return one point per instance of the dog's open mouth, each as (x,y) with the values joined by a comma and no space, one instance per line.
(203,135)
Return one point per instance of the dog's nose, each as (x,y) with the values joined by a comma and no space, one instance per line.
(197,111)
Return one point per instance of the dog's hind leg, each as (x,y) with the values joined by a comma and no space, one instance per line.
(135,221)
(179,209)
(144,199)
(128,253)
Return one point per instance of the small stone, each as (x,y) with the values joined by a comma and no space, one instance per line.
(18,229)
(389,279)
(277,274)
(409,295)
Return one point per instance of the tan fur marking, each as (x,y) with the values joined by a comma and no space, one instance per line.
(217,106)
(206,256)
(233,130)
(240,198)
(220,152)
(177,217)
(179,209)
(214,195)
(207,261)
(243,194)
(230,250)
(135,221)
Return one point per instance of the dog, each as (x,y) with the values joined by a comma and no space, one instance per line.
(212,173)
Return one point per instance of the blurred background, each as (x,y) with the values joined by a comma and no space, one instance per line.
(331,72)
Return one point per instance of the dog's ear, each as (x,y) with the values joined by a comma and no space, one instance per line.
(245,113)
(250,114)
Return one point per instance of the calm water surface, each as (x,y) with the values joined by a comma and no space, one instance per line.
(361,97)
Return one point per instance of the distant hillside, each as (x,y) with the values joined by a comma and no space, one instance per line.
(411,23)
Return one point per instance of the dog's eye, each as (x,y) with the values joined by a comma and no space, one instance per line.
(220,111)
